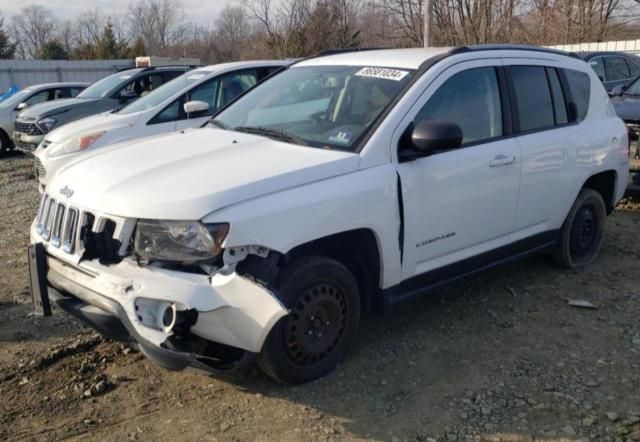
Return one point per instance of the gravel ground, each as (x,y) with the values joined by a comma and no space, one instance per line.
(500,356)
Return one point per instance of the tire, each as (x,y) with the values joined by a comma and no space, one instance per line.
(582,232)
(311,340)
(5,143)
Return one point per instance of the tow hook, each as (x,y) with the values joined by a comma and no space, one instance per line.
(178,321)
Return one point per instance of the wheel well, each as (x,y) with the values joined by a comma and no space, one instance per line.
(358,251)
(605,184)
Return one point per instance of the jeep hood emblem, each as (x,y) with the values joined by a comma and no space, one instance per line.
(65,191)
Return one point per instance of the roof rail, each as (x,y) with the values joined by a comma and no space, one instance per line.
(151,68)
(507,47)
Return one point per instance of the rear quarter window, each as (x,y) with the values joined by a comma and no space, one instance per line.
(579,85)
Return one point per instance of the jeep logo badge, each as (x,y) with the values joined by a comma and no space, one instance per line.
(65,191)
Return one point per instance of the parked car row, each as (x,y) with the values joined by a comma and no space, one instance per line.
(33,95)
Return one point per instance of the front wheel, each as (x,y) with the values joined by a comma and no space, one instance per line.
(5,143)
(324,303)
(582,232)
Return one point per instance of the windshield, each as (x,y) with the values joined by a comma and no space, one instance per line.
(16,98)
(320,106)
(164,92)
(101,88)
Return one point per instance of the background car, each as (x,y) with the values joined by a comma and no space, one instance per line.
(613,68)
(626,101)
(20,100)
(112,92)
(185,102)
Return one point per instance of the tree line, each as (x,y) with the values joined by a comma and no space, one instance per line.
(250,29)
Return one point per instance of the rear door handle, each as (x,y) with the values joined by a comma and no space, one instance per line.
(502,160)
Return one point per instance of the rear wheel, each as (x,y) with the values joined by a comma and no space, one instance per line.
(311,340)
(582,232)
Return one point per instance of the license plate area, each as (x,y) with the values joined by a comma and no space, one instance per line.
(37,259)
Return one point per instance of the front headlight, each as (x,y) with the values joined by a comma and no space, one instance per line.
(181,241)
(75,144)
(46,124)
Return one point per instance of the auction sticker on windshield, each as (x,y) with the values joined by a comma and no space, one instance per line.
(387,74)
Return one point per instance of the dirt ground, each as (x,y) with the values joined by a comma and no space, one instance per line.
(500,356)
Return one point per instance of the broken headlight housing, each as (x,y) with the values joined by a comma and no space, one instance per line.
(179,241)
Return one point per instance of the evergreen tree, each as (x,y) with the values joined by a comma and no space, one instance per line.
(109,47)
(53,50)
(7,49)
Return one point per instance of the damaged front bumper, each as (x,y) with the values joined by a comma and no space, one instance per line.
(230,316)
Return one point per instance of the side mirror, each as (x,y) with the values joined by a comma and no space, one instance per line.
(196,108)
(128,95)
(22,106)
(617,91)
(430,136)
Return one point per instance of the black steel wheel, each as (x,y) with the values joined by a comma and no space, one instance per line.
(311,340)
(317,324)
(582,232)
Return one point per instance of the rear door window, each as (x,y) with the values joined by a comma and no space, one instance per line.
(617,68)
(75,91)
(60,93)
(533,97)
(235,84)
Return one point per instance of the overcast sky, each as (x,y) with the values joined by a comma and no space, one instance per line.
(199,11)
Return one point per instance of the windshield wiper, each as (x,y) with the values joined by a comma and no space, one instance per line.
(278,134)
(218,123)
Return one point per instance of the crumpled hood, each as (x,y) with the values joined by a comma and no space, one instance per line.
(50,108)
(627,107)
(101,122)
(189,175)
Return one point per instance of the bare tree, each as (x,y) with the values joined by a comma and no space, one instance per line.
(231,31)
(407,18)
(32,28)
(159,22)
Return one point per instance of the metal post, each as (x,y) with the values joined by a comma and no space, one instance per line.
(428,23)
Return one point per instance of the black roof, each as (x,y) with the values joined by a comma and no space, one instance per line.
(512,47)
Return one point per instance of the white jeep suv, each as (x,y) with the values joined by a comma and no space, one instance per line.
(346,183)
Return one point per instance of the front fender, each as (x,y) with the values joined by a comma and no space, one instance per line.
(287,219)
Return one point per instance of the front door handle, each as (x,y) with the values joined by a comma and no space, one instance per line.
(502,160)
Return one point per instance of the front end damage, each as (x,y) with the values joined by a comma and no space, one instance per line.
(177,318)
